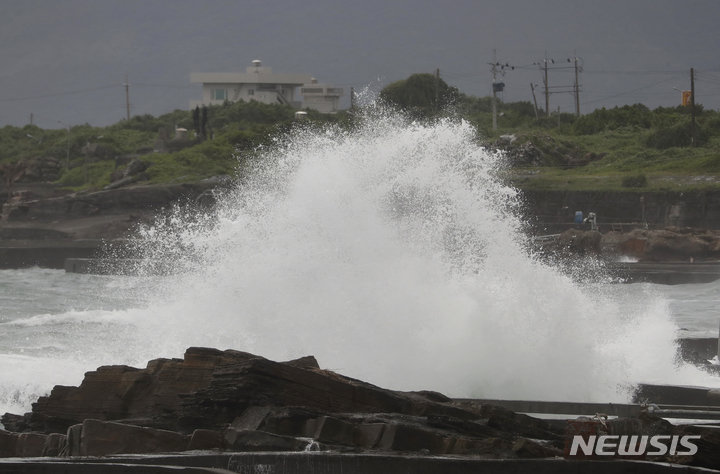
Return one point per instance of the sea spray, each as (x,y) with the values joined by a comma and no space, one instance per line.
(394,253)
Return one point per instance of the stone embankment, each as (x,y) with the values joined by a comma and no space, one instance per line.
(551,212)
(39,228)
(230,401)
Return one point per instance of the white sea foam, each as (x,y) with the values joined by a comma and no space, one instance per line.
(75,317)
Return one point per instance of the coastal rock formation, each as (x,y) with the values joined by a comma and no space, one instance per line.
(580,242)
(31,170)
(239,402)
(672,244)
(106,214)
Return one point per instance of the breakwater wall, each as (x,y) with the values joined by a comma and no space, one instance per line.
(554,211)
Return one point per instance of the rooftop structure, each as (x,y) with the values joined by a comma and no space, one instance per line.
(261,84)
(321,97)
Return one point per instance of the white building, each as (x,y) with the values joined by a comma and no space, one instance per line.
(261,84)
(321,97)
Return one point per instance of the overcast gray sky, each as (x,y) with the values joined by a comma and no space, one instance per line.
(67,59)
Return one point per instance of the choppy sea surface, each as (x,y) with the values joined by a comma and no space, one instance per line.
(389,251)
(54,326)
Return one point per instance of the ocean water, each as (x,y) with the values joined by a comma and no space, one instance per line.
(393,253)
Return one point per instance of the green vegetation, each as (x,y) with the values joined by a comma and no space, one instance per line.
(600,150)
(420,95)
(635,181)
(233,130)
(629,147)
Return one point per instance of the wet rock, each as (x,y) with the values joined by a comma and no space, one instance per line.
(406,437)
(8,443)
(580,242)
(243,382)
(708,453)
(527,448)
(121,392)
(672,244)
(207,199)
(30,445)
(368,435)
(307,362)
(289,421)
(206,439)
(248,440)
(15,423)
(73,440)
(252,418)
(102,438)
(331,430)
(433,396)
(273,406)
(479,429)
(55,444)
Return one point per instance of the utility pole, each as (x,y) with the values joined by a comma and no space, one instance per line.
(352,98)
(437,89)
(67,155)
(577,88)
(31,119)
(692,107)
(547,91)
(127,96)
(532,88)
(494,100)
(497,86)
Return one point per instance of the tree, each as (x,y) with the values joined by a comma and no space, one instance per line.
(203,123)
(196,120)
(422,95)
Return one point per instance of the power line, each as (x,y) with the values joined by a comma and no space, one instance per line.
(637,73)
(60,93)
(166,85)
(630,92)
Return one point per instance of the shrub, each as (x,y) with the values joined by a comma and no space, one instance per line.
(635,181)
(677,135)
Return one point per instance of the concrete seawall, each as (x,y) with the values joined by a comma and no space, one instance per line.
(323,462)
(45,253)
(551,211)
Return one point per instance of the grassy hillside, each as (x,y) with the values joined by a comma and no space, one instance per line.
(620,148)
(623,147)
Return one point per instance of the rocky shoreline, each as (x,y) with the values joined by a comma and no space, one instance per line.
(236,402)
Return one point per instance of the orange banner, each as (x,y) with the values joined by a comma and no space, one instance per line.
(686,96)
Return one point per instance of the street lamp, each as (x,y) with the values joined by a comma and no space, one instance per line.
(39,140)
(87,152)
(67,156)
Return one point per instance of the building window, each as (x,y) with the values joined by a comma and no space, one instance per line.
(251,91)
(218,94)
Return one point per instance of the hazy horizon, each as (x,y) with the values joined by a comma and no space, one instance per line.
(66,60)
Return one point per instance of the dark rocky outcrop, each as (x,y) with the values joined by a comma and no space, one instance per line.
(240,402)
(233,400)
(672,244)
(109,214)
